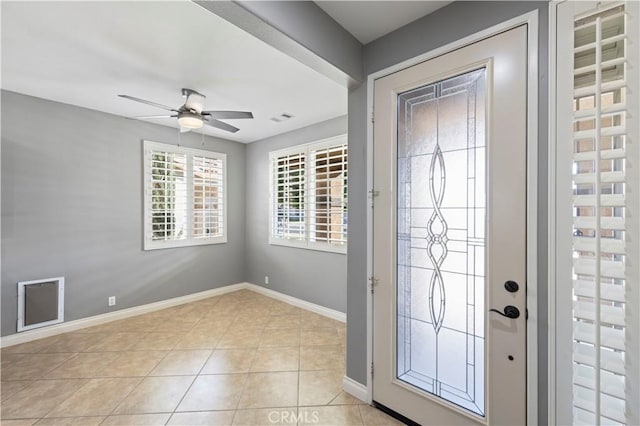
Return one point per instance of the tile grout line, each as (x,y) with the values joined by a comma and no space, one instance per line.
(183,396)
(197,374)
(66,399)
(143,379)
(136,387)
(203,365)
(244,385)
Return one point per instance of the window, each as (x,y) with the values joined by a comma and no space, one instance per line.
(308,202)
(185,202)
(597,269)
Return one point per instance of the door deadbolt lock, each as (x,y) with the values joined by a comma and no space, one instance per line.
(511,286)
(510,311)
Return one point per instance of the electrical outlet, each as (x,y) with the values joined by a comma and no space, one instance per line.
(112,300)
(266,279)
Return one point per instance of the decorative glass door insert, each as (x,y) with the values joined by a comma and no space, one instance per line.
(441,239)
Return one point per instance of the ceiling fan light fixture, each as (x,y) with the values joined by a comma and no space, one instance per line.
(190,120)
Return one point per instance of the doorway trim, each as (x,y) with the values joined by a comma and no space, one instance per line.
(531,20)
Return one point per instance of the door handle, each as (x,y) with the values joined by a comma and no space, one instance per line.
(510,311)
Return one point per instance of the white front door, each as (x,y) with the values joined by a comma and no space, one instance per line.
(450,167)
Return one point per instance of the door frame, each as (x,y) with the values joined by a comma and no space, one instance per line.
(531,20)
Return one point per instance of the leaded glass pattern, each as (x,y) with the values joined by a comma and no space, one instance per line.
(441,239)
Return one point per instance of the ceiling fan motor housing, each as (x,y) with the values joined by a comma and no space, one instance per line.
(194,100)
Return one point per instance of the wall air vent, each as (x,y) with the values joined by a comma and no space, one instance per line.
(40,303)
(282,117)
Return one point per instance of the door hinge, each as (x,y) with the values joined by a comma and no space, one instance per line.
(371,369)
(372,116)
(373,281)
(372,195)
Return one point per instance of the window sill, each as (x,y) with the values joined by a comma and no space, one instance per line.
(309,246)
(158,245)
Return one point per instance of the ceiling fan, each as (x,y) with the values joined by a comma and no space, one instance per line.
(191,115)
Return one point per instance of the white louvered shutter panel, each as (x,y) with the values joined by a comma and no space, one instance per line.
(167,181)
(327,195)
(604,217)
(288,196)
(208,197)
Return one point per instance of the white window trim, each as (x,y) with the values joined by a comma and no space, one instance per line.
(302,244)
(560,178)
(150,244)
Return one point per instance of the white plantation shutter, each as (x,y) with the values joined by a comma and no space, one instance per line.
(327,194)
(288,196)
(208,197)
(308,195)
(605,219)
(185,193)
(168,183)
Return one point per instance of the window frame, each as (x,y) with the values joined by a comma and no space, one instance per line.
(148,242)
(305,149)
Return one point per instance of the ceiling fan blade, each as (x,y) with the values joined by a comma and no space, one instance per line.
(228,115)
(132,98)
(220,125)
(145,117)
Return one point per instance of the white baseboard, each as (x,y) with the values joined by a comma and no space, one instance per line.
(355,389)
(40,333)
(318,309)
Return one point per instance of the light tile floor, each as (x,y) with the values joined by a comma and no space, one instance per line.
(241,359)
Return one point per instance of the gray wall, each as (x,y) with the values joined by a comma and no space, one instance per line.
(446,25)
(72,207)
(316,276)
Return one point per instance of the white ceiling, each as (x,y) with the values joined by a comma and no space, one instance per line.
(86,53)
(368,20)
